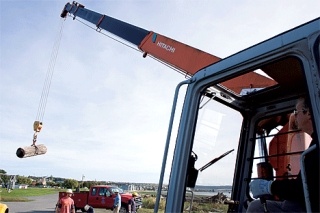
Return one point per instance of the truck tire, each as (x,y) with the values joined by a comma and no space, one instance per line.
(124,208)
(76,209)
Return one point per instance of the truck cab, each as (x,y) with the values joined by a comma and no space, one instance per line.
(103,197)
(228,105)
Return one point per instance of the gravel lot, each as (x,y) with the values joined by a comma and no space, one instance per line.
(42,204)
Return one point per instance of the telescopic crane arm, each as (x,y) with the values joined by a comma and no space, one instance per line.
(185,58)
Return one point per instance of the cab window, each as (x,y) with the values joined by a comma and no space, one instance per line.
(102,191)
(94,191)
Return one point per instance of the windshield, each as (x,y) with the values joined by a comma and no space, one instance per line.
(214,150)
(217,135)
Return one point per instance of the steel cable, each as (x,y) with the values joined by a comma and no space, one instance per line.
(49,74)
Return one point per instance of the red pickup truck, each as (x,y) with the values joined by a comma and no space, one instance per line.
(101,196)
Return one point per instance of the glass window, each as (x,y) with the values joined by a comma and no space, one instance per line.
(215,149)
(280,146)
(102,191)
(94,191)
(217,132)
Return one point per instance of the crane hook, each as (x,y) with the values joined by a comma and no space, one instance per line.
(37,126)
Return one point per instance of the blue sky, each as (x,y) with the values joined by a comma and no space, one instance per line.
(108,108)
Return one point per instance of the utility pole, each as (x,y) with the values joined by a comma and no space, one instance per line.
(82,180)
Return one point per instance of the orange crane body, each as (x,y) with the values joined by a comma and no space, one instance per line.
(186,59)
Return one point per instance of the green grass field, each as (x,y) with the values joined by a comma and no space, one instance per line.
(24,195)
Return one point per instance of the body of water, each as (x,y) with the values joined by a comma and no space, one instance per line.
(200,193)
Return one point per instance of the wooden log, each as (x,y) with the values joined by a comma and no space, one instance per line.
(30,151)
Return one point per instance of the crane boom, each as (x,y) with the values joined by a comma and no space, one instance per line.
(183,57)
(170,51)
(186,59)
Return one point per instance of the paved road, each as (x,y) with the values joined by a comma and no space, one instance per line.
(42,204)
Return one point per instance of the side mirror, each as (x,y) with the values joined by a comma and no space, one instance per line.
(192,173)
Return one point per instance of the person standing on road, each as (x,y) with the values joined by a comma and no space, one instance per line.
(66,203)
(132,208)
(117,202)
